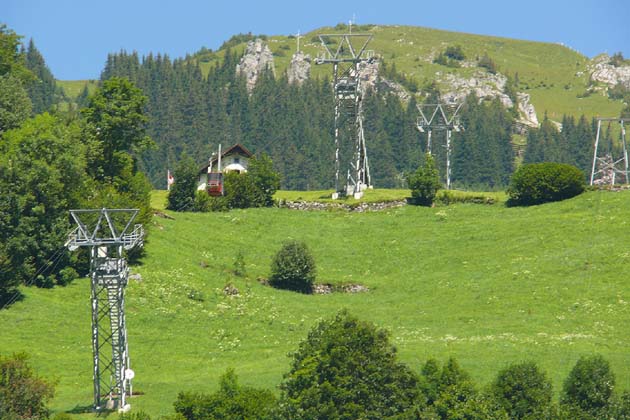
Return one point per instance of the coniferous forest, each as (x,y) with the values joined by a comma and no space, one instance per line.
(193,114)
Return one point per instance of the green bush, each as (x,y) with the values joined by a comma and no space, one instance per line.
(293,268)
(347,369)
(241,191)
(424,183)
(487,63)
(446,197)
(523,391)
(455,52)
(23,395)
(539,183)
(202,203)
(231,401)
(589,386)
(182,195)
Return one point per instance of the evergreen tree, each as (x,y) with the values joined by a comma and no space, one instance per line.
(43,90)
(15,105)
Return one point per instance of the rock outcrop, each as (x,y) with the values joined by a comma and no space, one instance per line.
(300,68)
(602,71)
(257,58)
(527,111)
(368,72)
(483,85)
(489,86)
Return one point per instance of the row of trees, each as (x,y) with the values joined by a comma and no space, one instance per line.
(54,162)
(347,369)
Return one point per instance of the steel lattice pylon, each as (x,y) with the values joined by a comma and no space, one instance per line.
(347,57)
(107,232)
(606,168)
(440,117)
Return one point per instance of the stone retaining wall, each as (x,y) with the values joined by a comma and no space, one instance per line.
(359,208)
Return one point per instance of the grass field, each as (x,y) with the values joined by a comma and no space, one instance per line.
(489,285)
(73,88)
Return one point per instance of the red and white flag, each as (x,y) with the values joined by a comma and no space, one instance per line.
(169,180)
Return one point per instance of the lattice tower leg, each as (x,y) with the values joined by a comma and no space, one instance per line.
(109,332)
(599,126)
(337,121)
(96,373)
(625,151)
(448,159)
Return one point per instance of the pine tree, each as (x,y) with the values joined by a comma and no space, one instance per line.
(42,91)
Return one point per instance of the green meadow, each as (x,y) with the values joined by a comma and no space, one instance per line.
(487,284)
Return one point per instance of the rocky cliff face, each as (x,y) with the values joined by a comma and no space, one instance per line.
(300,68)
(257,59)
(368,72)
(602,71)
(489,86)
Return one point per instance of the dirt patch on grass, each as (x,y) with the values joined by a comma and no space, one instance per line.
(328,288)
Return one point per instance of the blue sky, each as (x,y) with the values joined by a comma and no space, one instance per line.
(75,36)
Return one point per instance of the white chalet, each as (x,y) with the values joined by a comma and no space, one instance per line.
(234,159)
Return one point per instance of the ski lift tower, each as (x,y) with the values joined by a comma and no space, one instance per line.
(606,168)
(347,52)
(107,232)
(444,117)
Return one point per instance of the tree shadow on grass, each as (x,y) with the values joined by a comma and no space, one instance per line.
(89,409)
(8,298)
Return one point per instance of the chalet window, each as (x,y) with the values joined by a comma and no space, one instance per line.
(237,160)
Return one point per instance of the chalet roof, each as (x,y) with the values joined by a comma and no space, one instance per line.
(237,149)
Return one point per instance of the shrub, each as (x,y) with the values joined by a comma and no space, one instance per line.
(265,178)
(66,276)
(231,401)
(182,195)
(523,391)
(241,191)
(23,395)
(446,197)
(347,369)
(254,188)
(589,386)
(487,63)
(424,183)
(455,52)
(539,183)
(202,203)
(293,268)
(239,269)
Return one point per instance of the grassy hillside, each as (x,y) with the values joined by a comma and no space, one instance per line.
(487,284)
(73,88)
(552,74)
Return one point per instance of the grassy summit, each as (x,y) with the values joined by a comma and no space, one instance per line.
(552,74)
(487,284)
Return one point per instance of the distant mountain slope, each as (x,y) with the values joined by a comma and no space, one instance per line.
(556,77)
